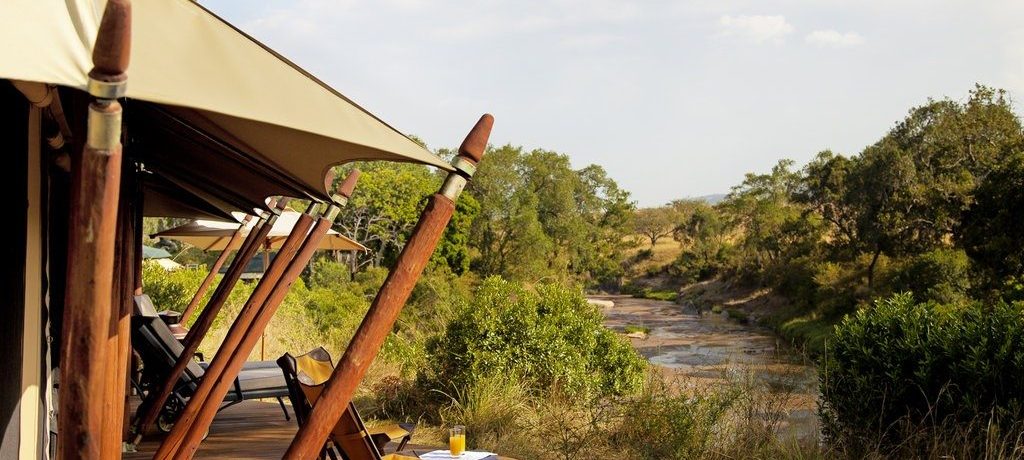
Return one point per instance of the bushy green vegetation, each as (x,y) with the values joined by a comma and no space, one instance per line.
(547,336)
(927,366)
(927,209)
(525,216)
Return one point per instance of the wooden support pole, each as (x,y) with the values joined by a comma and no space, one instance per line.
(155,400)
(235,237)
(390,299)
(234,336)
(255,331)
(118,340)
(84,358)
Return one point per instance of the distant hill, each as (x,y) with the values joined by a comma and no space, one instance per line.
(711,199)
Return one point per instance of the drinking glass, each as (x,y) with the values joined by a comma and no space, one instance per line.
(457,440)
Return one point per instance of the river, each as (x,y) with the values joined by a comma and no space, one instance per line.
(710,349)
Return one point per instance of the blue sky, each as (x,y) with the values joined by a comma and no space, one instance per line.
(674,99)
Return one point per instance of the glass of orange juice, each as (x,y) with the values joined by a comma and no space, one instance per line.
(457,440)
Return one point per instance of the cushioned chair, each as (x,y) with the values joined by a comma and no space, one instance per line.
(306,376)
(159,351)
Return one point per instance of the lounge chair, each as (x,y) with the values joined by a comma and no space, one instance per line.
(306,376)
(159,351)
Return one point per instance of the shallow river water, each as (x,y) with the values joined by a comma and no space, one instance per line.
(710,349)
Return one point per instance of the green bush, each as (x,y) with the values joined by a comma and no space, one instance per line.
(325,272)
(921,363)
(173,290)
(692,266)
(839,288)
(942,275)
(796,279)
(548,337)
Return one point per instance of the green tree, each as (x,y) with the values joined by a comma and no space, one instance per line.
(655,223)
(539,217)
(774,229)
(992,232)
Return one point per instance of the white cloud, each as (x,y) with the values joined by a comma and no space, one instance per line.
(757,29)
(833,39)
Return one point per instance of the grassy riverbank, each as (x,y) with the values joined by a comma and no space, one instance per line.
(649,279)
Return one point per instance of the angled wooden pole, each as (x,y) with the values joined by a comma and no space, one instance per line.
(91,232)
(235,237)
(390,299)
(255,331)
(155,400)
(234,336)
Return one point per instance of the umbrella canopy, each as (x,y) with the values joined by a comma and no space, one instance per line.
(149,252)
(201,84)
(167,264)
(211,235)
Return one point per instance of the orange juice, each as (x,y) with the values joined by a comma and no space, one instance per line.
(457,444)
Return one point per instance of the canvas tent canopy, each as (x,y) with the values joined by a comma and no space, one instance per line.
(206,101)
(214,236)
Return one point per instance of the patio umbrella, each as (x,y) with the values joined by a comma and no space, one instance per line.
(210,235)
(149,252)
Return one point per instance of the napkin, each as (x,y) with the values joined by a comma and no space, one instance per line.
(467,455)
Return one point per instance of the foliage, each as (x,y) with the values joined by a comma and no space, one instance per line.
(928,208)
(991,231)
(545,337)
(631,328)
(655,223)
(540,218)
(660,425)
(324,272)
(385,207)
(942,275)
(173,290)
(704,236)
(923,363)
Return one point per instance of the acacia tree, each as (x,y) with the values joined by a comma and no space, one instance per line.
(655,223)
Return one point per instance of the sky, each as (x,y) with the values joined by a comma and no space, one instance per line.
(673,98)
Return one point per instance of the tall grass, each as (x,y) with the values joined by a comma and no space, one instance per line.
(668,419)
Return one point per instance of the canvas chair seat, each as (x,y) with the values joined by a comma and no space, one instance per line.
(306,376)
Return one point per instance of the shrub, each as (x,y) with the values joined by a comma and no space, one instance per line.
(838,288)
(923,364)
(691,266)
(796,279)
(173,290)
(547,336)
(942,275)
(663,423)
(325,272)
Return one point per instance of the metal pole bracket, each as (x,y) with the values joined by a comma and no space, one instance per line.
(107,89)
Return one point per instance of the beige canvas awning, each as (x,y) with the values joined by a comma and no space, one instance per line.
(214,80)
(214,235)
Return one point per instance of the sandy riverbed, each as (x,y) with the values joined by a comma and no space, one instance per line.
(710,349)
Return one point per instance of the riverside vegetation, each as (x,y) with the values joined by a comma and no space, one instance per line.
(899,268)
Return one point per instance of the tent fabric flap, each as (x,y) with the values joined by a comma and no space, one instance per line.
(210,74)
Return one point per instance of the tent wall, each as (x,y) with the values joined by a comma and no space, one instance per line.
(33,340)
(20,278)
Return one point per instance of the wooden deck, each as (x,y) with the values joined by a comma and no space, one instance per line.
(248,430)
